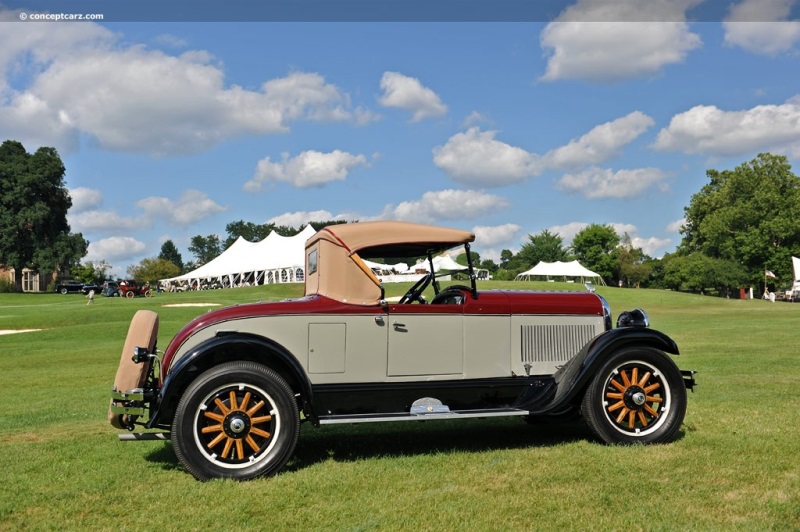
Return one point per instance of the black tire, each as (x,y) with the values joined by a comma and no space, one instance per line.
(214,439)
(638,396)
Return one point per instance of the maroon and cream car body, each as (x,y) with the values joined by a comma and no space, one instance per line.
(230,388)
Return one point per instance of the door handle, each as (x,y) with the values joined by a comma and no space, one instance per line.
(398,325)
(379,320)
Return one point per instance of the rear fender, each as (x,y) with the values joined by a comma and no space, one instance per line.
(573,378)
(227,347)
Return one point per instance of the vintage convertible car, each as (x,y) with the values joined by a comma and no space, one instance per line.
(230,388)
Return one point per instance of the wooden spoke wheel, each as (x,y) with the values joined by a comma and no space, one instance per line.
(637,396)
(238,420)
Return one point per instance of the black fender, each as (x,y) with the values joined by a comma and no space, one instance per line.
(573,378)
(259,349)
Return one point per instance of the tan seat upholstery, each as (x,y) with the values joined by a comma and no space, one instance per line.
(142,332)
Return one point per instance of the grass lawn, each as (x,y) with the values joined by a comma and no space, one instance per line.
(736,464)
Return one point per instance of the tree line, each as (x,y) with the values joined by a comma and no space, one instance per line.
(740,225)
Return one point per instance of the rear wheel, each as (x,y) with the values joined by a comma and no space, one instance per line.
(637,396)
(129,294)
(238,420)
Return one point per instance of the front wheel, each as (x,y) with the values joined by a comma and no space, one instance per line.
(238,420)
(637,396)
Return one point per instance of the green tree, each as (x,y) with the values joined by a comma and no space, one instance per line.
(91,272)
(545,246)
(170,253)
(247,230)
(205,248)
(633,268)
(34,201)
(699,272)
(153,270)
(748,216)
(595,247)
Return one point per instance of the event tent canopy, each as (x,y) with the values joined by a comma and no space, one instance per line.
(559,269)
(441,263)
(276,259)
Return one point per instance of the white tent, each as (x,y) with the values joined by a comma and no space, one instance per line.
(559,269)
(440,263)
(276,259)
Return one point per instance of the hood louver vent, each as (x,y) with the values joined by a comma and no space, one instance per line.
(554,343)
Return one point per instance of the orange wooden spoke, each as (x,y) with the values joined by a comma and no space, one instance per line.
(216,440)
(631,419)
(243,405)
(224,409)
(259,432)
(617,385)
(616,406)
(211,428)
(214,416)
(232,396)
(611,395)
(652,387)
(650,411)
(622,414)
(625,379)
(644,380)
(239,450)
(252,443)
(227,449)
(255,408)
(635,375)
(642,419)
(262,419)
(654,399)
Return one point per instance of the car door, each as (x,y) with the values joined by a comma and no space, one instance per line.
(425,340)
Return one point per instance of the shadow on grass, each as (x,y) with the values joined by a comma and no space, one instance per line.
(348,443)
(358,442)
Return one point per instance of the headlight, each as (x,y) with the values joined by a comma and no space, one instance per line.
(633,318)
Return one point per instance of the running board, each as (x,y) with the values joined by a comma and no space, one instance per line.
(428,416)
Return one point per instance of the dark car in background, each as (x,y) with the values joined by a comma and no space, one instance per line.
(110,289)
(69,287)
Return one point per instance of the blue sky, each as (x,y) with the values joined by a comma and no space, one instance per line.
(174,129)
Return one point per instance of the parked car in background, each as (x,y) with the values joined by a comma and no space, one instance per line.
(230,387)
(111,289)
(89,287)
(130,288)
(69,287)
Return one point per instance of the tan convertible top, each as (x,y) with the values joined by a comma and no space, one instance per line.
(333,255)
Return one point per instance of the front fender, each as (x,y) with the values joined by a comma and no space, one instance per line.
(573,378)
(246,347)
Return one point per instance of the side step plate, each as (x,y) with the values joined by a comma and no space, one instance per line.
(404,416)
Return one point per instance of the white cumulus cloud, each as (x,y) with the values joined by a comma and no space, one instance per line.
(114,249)
(298,218)
(709,130)
(310,168)
(405,92)
(496,235)
(83,81)
(594,183)
(475,158)
(446,205)
(192,206)
(592,39)
(84,199)
(601,143)
(762,26)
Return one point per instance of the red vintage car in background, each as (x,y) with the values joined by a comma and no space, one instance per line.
(130,288)
(230,387)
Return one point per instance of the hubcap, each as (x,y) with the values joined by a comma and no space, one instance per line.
(235,426)
(634,397)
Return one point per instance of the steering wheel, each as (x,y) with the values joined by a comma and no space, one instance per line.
(449,291)
(415,292)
